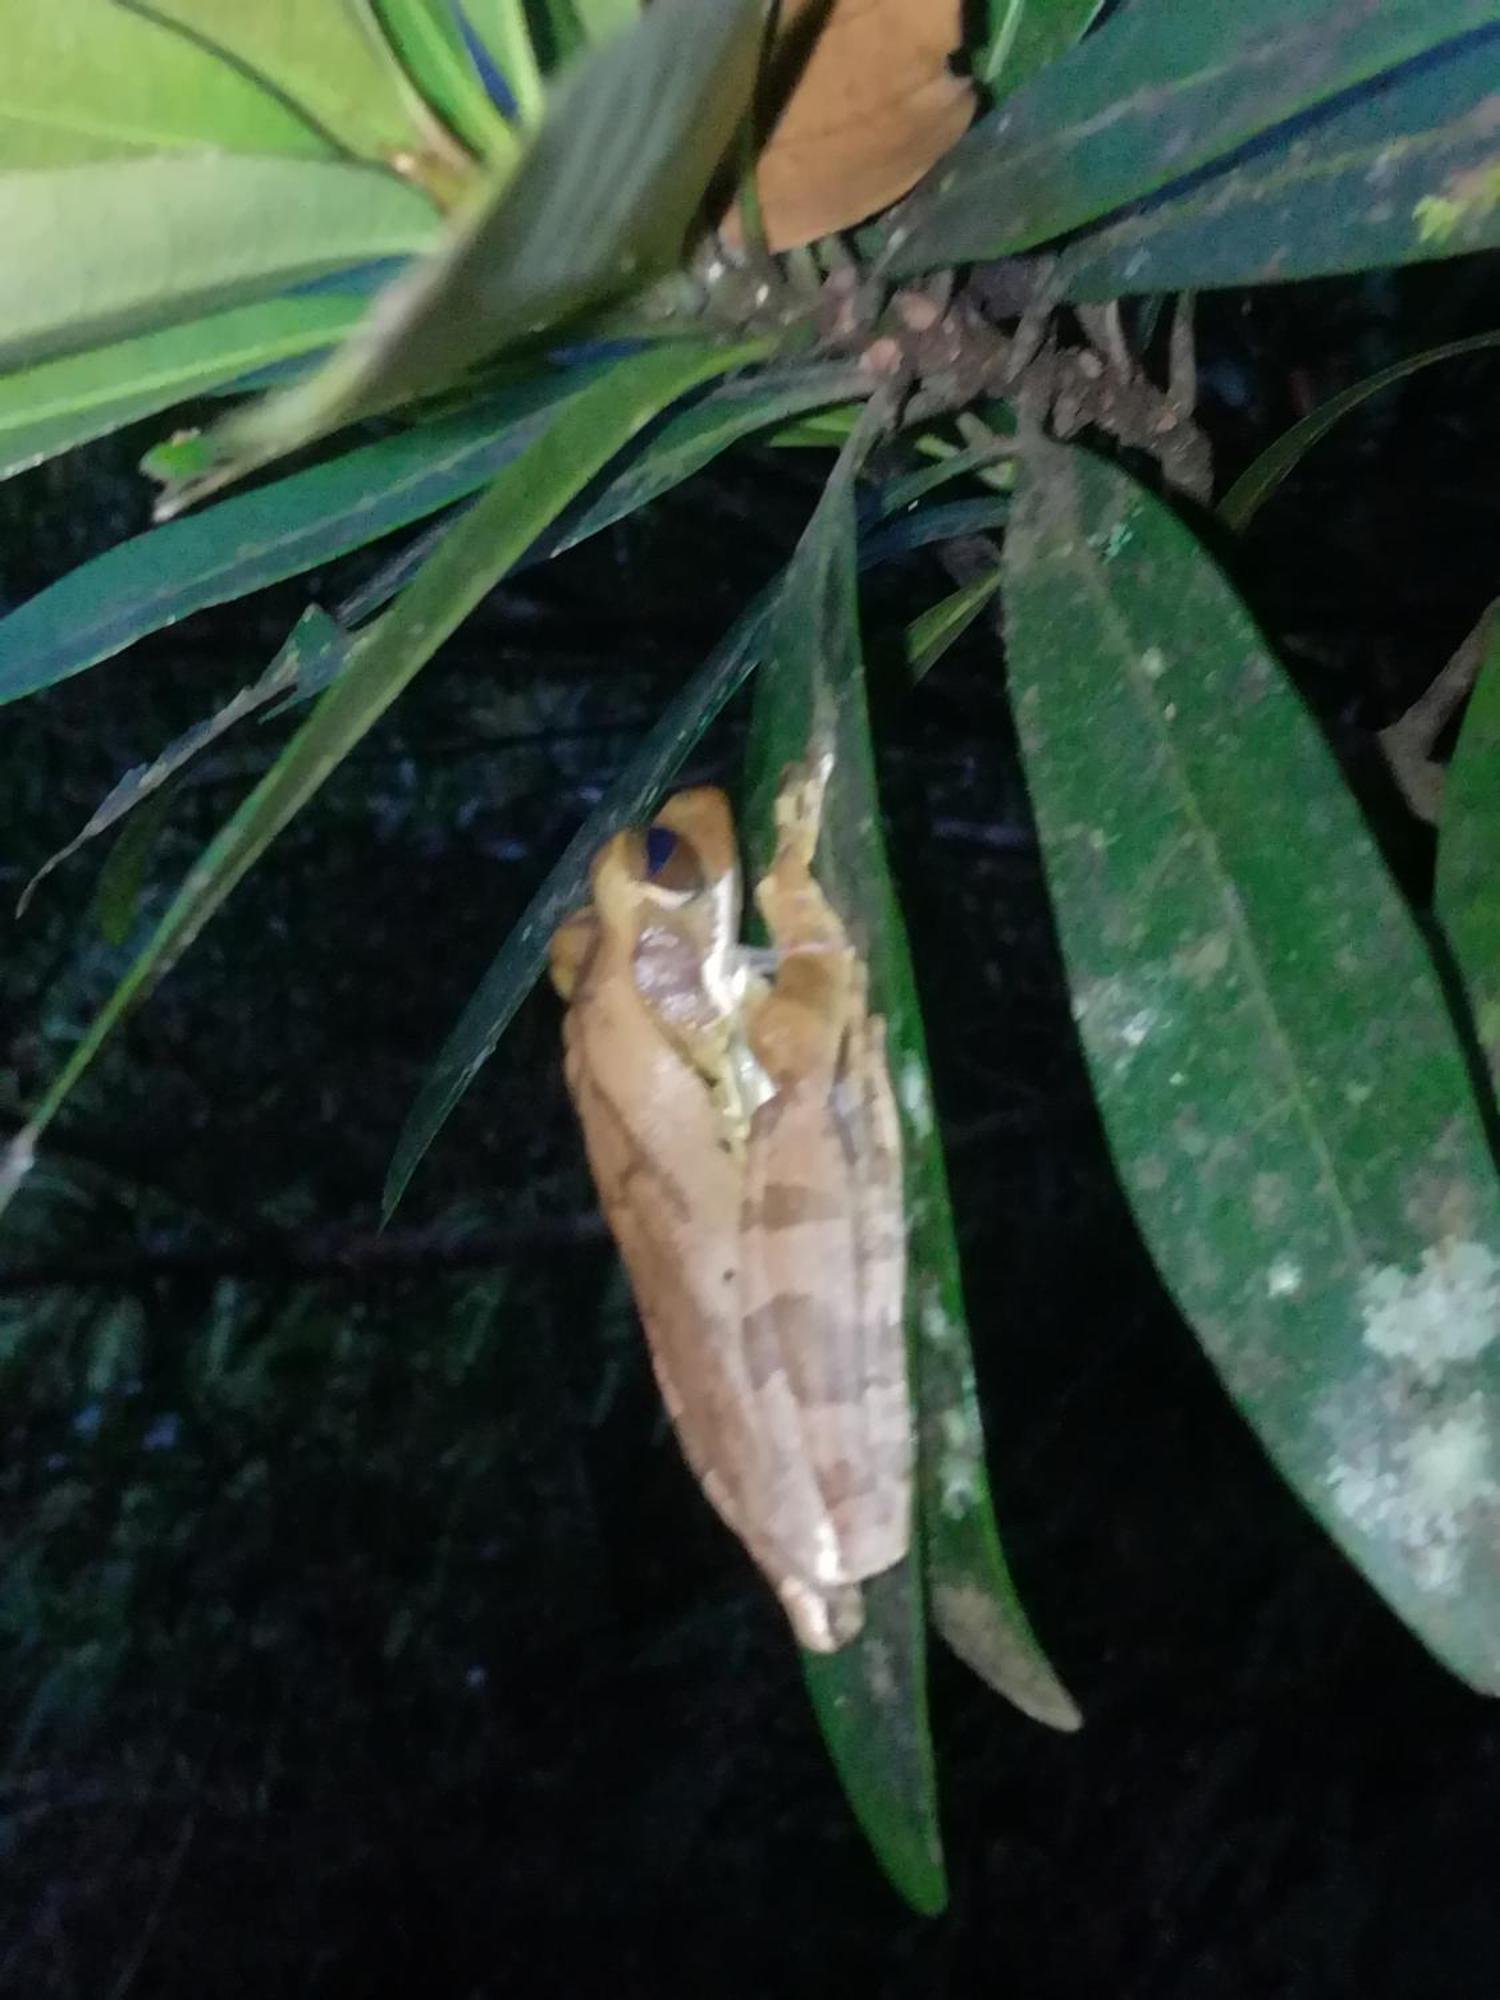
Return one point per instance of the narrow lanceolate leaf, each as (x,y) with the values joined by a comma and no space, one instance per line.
(602,201)
(1468,855)
(91,80)
(1159,91)
(1400,175)
(691,439)
(316,644)
(688,440)
(59,404)
(324,57)
(499,40)
(99,253)
(944,624)
(1260,479)
(629,801)
(426,37)
(871,1695)
(256,538)
(1283,1087)
(1026,35)
(536,484)
(815,679)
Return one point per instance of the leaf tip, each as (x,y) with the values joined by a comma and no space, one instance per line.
(16,1162)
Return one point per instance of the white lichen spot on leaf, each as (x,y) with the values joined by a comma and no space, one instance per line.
(933,1318)
(916,1100)
(959,1467)
(1201,962)
(1446,1313)
(1284,1279)
(1116,1016)
(880,1671)
(1421,1491)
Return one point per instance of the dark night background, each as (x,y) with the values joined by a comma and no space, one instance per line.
(362,1631)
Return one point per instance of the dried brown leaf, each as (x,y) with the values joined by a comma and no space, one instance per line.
(863,102)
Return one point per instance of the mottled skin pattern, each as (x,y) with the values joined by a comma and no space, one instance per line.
(744,1142)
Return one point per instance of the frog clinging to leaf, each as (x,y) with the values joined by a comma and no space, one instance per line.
(742,1134)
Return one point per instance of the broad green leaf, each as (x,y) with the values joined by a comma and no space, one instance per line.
(1399,175)
(602,201)
(1260,479)
(522,959)
(630,800)
(1026,35)
(97,254)
(256,538)
(425,35)
(929,636)
(315,645)
(323,57)
(1468,854)
(58,404)
(89,80)
(870,1697)
(1284,1092)
(1161,90)
(583,436)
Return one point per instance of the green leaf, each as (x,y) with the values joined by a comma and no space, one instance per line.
(1261,478)
(500,27)
(683,445)
(531,489)
(871,1696)
(987,459)
(95,254)
(425,36)
(1161,90)
(1283,1089)
(122,879)
(1400,175)
(1468,854)
(323,57)
(870,1699)
(59,404)
(692,438)
(602,201)
(315,645)
(1027,35)
(256,538)
(928,637)
(522,959)
(599,19)
(88,80)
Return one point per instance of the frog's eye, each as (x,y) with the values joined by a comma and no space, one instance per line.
(671,862)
